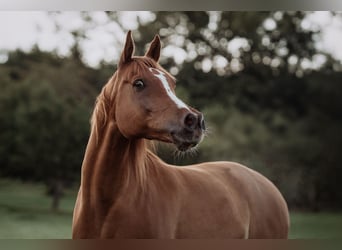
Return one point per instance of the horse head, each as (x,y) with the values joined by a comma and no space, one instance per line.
(146,105)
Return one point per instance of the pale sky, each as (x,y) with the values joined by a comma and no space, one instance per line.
(23,29)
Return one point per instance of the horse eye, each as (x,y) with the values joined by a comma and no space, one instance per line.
(139,85)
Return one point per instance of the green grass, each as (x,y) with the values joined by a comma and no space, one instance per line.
(316,225)
(25,213)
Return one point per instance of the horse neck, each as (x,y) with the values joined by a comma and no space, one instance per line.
(113,163)
(111,160)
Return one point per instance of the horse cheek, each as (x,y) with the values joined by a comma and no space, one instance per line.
(129,123)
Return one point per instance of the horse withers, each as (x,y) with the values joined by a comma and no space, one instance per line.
(126,191)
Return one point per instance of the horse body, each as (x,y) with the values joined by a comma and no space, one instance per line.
(128,192)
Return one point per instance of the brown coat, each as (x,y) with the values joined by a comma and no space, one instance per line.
(128,192)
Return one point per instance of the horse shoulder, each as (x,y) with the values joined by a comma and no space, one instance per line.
(149,213)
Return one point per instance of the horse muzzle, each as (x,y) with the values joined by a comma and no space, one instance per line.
(190,134)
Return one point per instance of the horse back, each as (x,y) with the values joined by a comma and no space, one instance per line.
(241,198)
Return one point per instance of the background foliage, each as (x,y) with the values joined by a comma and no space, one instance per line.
(268,104)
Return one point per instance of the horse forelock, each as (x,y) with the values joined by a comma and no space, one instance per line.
(140,65)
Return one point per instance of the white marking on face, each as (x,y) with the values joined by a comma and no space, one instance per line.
(161,76)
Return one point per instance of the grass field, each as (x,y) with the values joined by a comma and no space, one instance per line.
(25,213)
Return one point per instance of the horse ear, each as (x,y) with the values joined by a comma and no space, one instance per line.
(127,53)
(154,49)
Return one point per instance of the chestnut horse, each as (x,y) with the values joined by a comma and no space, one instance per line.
(126,191)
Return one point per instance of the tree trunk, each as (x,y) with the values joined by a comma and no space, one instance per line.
(56,191)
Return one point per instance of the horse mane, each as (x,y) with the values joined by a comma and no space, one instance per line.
(102,108)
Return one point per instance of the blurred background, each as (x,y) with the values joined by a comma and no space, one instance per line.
(268,83)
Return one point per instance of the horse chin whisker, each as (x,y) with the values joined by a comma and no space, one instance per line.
(207,132)
(180,155)
(192,151)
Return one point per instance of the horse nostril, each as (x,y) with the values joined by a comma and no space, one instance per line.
(190,121)
(202,124)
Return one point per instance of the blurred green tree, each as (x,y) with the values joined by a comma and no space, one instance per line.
(44,118)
